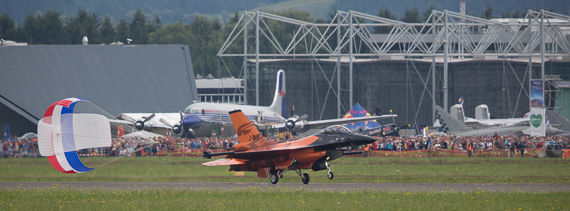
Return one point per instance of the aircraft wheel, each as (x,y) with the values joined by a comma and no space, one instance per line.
(306,178)
(331,175)
(274,178)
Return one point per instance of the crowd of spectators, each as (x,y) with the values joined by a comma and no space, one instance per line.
(139,146)
(151,146)
(496,142)
(128,146)
(19,148)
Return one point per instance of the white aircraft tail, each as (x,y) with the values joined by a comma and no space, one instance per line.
(482,112)
(279,104)
(448,122)
(457,112)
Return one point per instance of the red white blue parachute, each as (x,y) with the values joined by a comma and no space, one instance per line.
(67,126)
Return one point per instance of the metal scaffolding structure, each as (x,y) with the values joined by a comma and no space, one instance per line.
(348,38)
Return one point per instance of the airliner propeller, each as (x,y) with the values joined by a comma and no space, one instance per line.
(178,128)
(140,124)
(295,123)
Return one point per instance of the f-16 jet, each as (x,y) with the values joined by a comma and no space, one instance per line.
(269,158)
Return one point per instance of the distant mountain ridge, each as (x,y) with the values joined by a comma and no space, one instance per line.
(186,10)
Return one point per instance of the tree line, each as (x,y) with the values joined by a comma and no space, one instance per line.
(204,36)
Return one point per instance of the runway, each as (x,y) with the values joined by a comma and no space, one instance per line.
(405,187)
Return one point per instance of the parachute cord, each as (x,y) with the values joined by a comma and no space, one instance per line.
(120,157)
(110,161)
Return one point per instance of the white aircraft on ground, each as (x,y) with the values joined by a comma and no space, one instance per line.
(212,119)
(482,118)
(451,125)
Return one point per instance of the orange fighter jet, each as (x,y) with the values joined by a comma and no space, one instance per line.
(255,153)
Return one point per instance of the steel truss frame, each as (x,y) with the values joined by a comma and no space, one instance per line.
(444,35)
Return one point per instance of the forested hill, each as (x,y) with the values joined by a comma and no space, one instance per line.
(186,10)
(473,7)
(169,10)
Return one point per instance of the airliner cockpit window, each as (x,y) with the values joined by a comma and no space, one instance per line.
(192,111)
(336,129)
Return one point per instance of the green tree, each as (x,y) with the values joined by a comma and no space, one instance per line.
(157,22)
(427,13)
(487,13)
(107,30)
(174,33)
(516,14)
(122,31)
(83,24)
(8,30)
(412,16)
(139,28)
(51,28)
(31,28)
(207,44)
(384,13)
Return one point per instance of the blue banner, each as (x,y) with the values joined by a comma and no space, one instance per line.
(536,93)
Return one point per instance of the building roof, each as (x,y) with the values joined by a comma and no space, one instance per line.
(217,83)
(118,79)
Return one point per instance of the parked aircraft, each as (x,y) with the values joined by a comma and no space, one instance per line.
(557,125)
(482,118)
(269,158)
(453,126)
(212,119)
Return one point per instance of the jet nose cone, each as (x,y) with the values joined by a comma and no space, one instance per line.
(190,120)
(363,139)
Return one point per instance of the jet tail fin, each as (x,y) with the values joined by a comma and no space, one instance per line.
(279,104)
(248,135)
(448,122)
(7,133)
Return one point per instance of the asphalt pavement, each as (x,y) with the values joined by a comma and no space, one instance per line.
(406,187)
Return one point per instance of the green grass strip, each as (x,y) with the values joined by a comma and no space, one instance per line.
(62,198)
(346,169)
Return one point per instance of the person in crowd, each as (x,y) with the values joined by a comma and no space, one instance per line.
(469,148)
(378,111)
(293,110)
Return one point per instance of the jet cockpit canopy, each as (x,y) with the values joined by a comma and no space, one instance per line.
(335,129)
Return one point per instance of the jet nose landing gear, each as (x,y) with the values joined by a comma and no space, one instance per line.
(330,174)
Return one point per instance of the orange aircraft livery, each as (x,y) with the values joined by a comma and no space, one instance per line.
(269,158)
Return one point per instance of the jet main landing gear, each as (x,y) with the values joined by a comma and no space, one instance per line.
(304,177)
(274,178)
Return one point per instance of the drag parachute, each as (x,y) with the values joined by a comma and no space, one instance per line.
(69,125)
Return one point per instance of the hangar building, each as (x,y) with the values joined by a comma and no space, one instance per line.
(397,85)
(117,78)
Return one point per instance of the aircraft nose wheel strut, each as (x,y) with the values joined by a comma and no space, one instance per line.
(330,174)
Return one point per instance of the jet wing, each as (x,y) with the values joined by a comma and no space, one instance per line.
(325,123)
(225,162)
(284,150)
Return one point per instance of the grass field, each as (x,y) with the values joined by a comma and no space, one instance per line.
(62,198)
(347,169)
